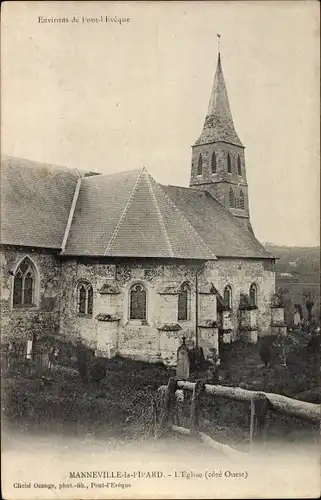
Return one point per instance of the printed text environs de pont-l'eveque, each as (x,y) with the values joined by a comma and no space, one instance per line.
(84,20)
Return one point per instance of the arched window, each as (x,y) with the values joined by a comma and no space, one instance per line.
(239,165)
(213,163)
(200,165)
(184,297)
(228,297)
(231,198)
(253,295)
(85,298)
(241,200)
(24,284)
(138,302)
(229,163)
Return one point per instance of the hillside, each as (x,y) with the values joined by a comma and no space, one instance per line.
(298,273)
(301,262)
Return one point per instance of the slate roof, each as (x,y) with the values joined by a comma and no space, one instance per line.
(129,215)
(125,215)
(222,232)
(35,202)
(219,124)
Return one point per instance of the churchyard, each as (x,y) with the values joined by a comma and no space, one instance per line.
(120,400)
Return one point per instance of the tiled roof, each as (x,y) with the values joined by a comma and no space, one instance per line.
(223,233)
(35,202)
(129,215)
(219,124)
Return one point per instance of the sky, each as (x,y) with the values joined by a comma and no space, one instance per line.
(111,97)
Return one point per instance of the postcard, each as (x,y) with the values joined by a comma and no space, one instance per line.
(160,254)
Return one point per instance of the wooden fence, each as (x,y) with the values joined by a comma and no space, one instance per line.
(261,404)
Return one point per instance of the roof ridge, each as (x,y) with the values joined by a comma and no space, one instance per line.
(159,214)
(6,157)
(114,174)
(185,219)
(121,218)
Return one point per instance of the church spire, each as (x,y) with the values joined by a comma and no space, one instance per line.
(218,125)
(218,159)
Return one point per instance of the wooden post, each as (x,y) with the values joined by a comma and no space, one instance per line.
(260,406)
(167,414)
(195,405)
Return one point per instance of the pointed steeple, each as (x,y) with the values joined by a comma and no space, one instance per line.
(218,125)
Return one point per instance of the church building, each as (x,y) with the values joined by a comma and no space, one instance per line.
(129,266)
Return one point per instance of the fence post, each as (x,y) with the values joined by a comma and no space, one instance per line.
(260,406)
(195,405)
(167,413)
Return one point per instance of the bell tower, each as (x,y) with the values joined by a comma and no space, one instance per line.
(218,161)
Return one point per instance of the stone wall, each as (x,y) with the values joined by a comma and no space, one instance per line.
(109,326)
(43,318)
(135,339)
(240,274)
(219,183)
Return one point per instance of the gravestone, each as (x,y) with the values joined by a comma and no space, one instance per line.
(182,368)
(297,318)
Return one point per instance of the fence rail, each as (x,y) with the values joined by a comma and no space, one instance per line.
(261,404)
(280,404)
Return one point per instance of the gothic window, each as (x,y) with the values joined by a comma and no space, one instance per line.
(229,163)
(24,284)
(241,200)
(138,302)
(239,165)
(85,298)
(213,163)
(200,165)
(228,297)
(231,198)
(184,303)
(253,295)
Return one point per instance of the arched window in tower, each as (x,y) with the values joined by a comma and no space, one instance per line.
(24,284)
(229,163)
(228,297)
(85,298)
(239,165)
(213,163)
(184,300)
(231,198)
(241,200)
(138,302)
(200,165)
(253,295)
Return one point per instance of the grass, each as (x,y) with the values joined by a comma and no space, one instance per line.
(121,404)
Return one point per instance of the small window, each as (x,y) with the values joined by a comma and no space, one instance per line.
(138,302)
(228,297)
(184,303)
(241,200)
(231,198)
(24,282)
(85,298)
(213,163)
(253,295)
(200,165)
(239,165)
(229,163)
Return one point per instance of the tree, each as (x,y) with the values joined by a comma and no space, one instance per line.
(309,303)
